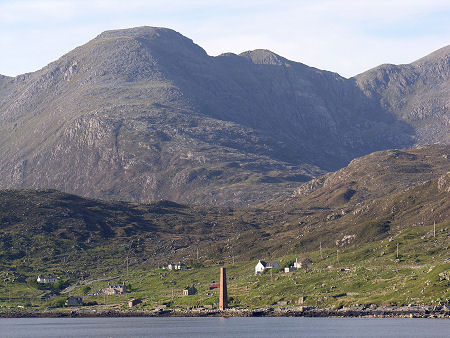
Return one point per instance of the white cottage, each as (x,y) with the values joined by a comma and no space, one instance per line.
(115,289)
(46,279)
(179,266)
(261,266)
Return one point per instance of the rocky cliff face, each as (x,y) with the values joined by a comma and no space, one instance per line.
(144,113)
(418,93)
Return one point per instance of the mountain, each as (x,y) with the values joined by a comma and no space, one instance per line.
(418,93)
(144,114)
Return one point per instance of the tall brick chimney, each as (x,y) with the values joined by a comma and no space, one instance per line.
(223,298)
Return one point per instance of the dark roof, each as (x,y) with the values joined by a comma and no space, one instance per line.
(268,264)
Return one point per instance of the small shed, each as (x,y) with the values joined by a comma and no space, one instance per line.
(214,285)
(289,269)
(188,291)
(134,302)
(302,263)
(72,300)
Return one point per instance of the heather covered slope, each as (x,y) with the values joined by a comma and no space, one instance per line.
(144,114)
(375,197)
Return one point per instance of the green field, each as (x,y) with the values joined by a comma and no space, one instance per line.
(362,274)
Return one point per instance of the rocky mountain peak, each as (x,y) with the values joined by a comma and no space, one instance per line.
(155,39)
(441,55)
(264,57)
(142,31)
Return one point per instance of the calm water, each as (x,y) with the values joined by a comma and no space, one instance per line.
(224,327)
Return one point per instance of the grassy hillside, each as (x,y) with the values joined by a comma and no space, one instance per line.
(364,274)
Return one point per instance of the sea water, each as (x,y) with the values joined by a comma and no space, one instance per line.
(224,327)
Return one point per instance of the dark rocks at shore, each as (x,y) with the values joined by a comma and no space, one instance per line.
(355,311)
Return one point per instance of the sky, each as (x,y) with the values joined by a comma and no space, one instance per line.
(343,36)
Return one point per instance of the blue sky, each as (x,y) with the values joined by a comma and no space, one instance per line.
(344,36)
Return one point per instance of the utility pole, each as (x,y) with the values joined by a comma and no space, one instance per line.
(337,255)
(434,229)
(197,252)
(397,250)
(320,248)
(128,254)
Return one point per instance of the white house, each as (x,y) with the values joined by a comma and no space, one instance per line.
(46,279)
(261,266)
(179,266)
(115,289)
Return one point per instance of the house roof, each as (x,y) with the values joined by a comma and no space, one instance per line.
(116,286)
(271,264)
(268,264)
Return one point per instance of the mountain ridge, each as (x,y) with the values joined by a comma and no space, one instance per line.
(426,79)
(143,114)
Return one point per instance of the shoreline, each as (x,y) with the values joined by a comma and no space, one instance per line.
(346,312)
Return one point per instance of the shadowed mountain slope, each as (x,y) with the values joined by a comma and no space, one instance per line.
(144,113)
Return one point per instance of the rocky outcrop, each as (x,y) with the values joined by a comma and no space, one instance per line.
(444,182)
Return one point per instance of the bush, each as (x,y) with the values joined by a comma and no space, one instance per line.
(57,302)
